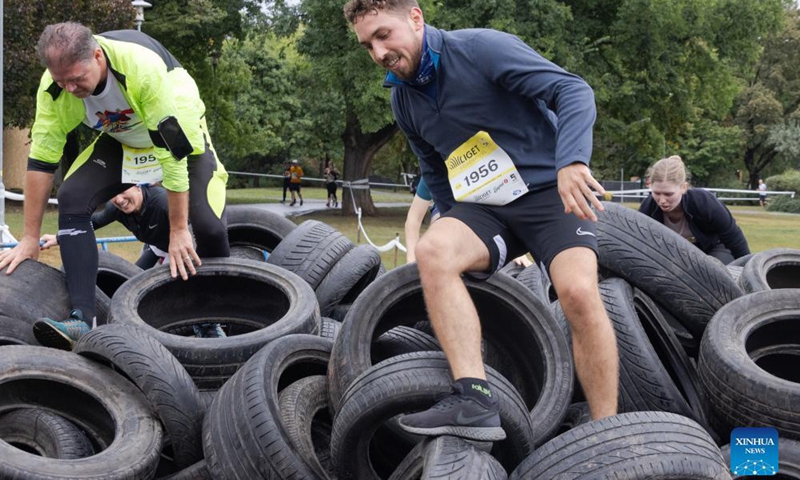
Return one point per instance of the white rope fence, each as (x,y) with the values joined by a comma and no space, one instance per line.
(363,184)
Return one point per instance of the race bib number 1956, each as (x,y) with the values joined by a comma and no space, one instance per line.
(482,172)
(139,165)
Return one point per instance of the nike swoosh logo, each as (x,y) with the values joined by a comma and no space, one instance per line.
(461,419)
(581,232)
(152,226)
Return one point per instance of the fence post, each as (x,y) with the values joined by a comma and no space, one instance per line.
(396,241)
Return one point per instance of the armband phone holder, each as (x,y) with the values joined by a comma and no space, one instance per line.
(175,140)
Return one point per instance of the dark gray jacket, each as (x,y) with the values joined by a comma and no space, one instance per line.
(541,115)
(709,220)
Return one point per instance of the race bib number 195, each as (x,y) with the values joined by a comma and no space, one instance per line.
(139,165)
(482,172)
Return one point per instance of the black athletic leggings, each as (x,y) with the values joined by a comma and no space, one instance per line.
(97,180)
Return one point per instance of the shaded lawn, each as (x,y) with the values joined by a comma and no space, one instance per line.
(763,230)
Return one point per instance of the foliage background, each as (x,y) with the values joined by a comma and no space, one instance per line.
(715,81)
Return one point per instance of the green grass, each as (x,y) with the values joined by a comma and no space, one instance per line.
(274,195)
(381,229)
(764,230)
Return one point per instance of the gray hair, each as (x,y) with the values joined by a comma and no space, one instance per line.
(65,43)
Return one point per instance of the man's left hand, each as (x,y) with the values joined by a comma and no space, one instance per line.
(574,182)
(182,257)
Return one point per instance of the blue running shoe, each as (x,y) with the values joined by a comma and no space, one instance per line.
(61,335)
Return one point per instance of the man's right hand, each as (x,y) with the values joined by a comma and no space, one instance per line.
(27,248)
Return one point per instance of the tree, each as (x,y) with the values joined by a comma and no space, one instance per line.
(665,76)
(23,23)
(254,107)
(194,32)
(345,79)
(768,109)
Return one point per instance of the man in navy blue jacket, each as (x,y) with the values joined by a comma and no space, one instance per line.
(504,139)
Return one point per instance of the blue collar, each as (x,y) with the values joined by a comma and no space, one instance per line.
(428,66)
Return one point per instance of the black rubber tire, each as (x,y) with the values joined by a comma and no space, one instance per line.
(159,375)
(409,383)
(249,253)
(400,340)
(113,271)
(36,290)
(747,392)
(511,269)
(577,414)
(305,417)
(114,414)
(645,384)
(310,251)
(448,458)
(735,272)
(529,347)
(533,278)
(741,261)
(256,302)
(629,446)
(256,228)
(664,265)
(198,471)
(788,460)
(43,433)
(16,332)
(690,344)
(329,328)
(771,269)
(242,433)
(207,397)
(340,311)
(348,278)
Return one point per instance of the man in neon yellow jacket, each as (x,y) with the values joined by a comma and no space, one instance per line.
(148,110)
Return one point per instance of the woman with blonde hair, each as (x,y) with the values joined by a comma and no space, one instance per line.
(693,213)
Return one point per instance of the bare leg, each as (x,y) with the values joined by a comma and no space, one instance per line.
(449,305)
(574,275)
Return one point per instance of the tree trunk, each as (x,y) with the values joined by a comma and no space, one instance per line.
(359,149)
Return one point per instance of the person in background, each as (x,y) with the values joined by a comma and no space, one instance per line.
(144,211)
(420,205)
(331,175)
(693,213)
(762,193)
(287,181)
(295,177)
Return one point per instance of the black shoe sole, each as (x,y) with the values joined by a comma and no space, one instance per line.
(50,336)
(481,434)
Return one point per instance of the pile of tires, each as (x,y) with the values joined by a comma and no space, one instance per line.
(325,349)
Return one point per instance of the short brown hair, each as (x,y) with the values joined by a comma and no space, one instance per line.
(356,9)
(67,43)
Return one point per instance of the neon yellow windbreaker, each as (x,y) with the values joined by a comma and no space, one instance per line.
(152,82)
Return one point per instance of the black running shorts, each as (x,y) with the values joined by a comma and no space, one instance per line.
(534,223)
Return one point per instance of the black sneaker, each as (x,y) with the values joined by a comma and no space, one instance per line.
(457,415)
(209,330)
